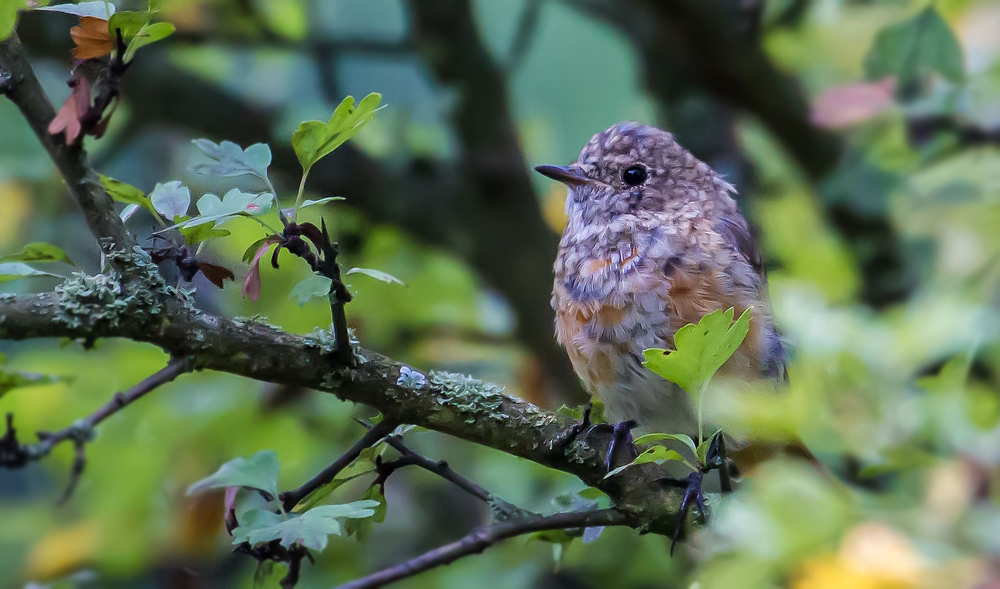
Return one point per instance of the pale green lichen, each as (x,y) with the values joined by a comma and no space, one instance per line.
(468,396)
(325,339)
(7,297)
(581,452)
(105,299)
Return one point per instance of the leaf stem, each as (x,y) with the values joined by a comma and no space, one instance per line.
(302,191)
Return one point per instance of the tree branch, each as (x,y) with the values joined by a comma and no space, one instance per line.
(482,538)
(449,403)
(439,467)
(13,454)
(24,91)
(290,499)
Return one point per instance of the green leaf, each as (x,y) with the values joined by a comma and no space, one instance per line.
(235,203)
(313,287)
(657,454)
(314,140)
(376,274)
(914,47)
(38,252)
(362,527)
(126,193)
(702,451)
(260,471)
(952,376)
(309,203)
(310,529)
(203,232)
(702,348)
(130,23)
(8,16)
(229,159)
(11,379)
(149,33)
(16,270)
(97,8)
(682,438)
(171,199)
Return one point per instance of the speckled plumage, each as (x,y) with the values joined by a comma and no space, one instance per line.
(636,263)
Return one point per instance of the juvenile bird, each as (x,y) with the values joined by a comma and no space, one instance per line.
(654,241)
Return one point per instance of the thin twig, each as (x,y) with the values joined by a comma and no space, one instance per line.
(290,499)
(408,457)
(484,537)
(16,455)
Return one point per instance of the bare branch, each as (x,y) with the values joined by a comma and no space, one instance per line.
(482,538)
(13,454)
(291,498)
(439,467)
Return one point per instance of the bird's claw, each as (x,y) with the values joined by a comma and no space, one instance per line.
(621,438)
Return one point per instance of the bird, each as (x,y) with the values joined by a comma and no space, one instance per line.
(654,240)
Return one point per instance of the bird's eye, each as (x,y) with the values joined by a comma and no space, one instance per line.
(634,175)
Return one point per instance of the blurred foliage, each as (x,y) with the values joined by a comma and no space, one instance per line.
(901,404)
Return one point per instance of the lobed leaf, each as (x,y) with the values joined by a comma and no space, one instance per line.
(95,8)
(171,200)
(149,33)
(260,471)
(229,159)
(702,348)
(314,140)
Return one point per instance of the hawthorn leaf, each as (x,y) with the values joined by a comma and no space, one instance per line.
(229,159)
(916,46)
(309,203)
(260,471)
(251,284)
(362,527)
(657,454)
(313,140)
(95,8)
(682,438)
(38,252)
(15,270)
(171,200)
(376,274)
(234,203)
(313,287)
(702,348)
(199,233)
(92,38)
(8,16)
(310,529)
(129,22)
(126,193)
(215,273)
(149,33)
(76,105)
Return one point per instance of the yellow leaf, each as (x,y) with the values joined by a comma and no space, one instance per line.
(62,551)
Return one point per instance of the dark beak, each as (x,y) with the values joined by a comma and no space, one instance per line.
(566,175)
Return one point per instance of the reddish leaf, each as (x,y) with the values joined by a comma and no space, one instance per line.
(92,38)
(251,285)
(72,111)
(216,274)
(843,106)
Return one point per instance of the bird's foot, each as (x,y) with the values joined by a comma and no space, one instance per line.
(693,496)
(621,437)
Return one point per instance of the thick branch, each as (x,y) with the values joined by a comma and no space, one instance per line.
(448,403)
(482,538)
(23,89)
